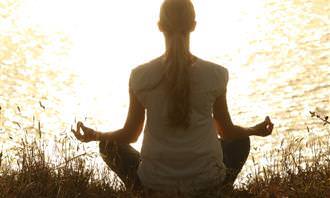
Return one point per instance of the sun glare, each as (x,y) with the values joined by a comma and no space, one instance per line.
(110,35)
(109,38)
(64,61)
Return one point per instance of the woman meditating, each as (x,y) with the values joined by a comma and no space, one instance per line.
(190,142)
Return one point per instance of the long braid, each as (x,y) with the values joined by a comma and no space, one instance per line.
(177,18)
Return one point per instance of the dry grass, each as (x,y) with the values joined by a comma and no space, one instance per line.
(30,172)
(35,175)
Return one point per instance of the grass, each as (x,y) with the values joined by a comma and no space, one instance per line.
(33,172)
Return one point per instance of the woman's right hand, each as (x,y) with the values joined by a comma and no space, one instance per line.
(88,135)
(264,128)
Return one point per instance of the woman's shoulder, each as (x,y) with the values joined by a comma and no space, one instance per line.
(147,66)
(210,70)
(146,74)
(212,67)
(201,64)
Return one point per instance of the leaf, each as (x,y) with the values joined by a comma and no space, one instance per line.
(39,129)
(326,118)
(18,124)
(41,105)
(29,128)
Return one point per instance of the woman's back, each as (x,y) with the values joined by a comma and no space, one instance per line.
(185,101)
(173,157)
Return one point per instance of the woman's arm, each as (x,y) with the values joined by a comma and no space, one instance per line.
(128,134)
(228,130)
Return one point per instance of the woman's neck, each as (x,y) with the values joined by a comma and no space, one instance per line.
(186,37)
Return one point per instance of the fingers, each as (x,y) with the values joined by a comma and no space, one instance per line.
(84,128)
(267,119)
(87,130)
(77,133)
(79,125)
(269,124)
(271,127)
(86,135)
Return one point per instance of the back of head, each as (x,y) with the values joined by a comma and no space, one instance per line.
(177,16)
(177,20)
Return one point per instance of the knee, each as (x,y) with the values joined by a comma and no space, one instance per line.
(103,147)
(245,145)
(246,142)
(242,146)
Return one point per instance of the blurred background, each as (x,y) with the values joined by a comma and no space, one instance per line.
(68,60)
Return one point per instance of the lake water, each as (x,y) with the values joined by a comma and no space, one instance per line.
(58,67)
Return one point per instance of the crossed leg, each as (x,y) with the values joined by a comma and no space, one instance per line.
(124,160)
(235,154)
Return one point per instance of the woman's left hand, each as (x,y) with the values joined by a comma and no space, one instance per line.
(264,128)
(88,135)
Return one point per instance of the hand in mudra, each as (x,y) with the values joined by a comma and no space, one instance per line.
(264,128)
(88,133)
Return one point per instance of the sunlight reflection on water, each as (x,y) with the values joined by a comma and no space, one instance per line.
(277,53)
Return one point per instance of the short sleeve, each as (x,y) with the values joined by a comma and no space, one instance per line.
(222,76)
(132,82)
(135,86)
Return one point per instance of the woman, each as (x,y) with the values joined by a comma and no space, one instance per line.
(184,98)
